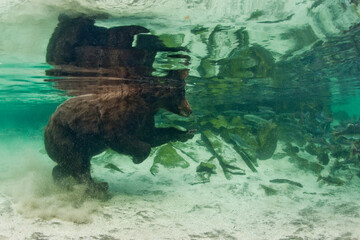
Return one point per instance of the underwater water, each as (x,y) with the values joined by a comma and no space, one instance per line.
(275,97)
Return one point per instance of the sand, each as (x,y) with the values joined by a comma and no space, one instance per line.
(169,205)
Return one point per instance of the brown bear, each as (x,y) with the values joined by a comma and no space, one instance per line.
(87,125)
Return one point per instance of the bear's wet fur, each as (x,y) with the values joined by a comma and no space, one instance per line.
(89,124)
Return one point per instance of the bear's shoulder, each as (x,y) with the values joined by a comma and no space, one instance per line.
(119,109)
(79,114)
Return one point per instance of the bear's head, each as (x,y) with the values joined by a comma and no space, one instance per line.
(177,103)
(169,93)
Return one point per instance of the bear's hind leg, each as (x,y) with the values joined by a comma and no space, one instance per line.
(60,174)
(77,171)
(71,170)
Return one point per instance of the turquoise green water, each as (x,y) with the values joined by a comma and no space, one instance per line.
(27,100)
(273,86)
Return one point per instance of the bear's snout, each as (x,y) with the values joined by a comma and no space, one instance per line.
(185,108)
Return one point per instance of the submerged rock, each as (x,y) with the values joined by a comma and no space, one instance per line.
(268,190)
(323,158)
(330,180)
(204,171)
(290,149)
(315,167)
(206,167)
(291,134)
(319,152)
(255,15)
(201,178)
(168,158)
(304,164)
(340,152)
(311,149)
(351,132)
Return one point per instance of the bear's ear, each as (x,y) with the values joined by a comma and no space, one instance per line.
(180,74)
(63,17)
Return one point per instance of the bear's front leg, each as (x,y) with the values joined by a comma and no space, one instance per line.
(163,135)
(138,149)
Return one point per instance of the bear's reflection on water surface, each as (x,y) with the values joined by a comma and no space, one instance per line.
(115,112)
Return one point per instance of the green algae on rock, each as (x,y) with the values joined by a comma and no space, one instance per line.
(168,158)
(204,171)
(256,14)
(268,190)
(206,167)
